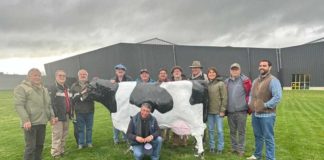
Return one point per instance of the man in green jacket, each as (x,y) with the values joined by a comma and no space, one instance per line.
(32,103)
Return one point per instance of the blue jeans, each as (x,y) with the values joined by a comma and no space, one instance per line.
(264,133)
(116,135)
(85,124)
(212,120)
(156,144)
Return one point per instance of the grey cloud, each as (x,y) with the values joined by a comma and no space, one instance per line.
(32,28)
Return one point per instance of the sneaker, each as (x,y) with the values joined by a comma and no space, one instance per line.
(252,158)
(90,145)
(80,146)
(212,150)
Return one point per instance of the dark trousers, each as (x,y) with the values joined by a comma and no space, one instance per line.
(34,140)
(237,125)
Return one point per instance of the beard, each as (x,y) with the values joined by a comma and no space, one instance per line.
(263,72)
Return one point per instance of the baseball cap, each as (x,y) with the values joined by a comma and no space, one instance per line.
(235,65)
(144,70)
(120,66)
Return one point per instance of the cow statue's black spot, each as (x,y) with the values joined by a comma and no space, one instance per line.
(200,95)
(104,92)
(152,93)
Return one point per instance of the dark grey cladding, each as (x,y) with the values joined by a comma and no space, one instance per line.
(303,59)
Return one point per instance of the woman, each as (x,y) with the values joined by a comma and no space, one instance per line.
(217,105)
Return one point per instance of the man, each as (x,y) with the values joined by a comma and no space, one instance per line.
(177,74)
(238,89)
(142,129)
(264,98)
(144,77)
(84,110)
(120,76)
(196,72)
(163,75)
(33,105)
(62,107)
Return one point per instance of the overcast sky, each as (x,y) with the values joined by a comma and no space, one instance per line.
(34,32)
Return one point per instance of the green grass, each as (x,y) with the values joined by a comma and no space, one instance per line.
(299,131)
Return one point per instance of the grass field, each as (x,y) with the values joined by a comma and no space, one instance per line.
(299,131)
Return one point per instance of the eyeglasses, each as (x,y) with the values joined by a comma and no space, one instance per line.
(61,75)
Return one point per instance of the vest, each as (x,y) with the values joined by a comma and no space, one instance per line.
(261,94)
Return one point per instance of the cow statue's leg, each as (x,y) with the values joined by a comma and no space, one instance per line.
(199,146)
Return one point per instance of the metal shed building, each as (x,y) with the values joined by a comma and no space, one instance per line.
(297,66)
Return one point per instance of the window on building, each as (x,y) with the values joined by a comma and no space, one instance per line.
(300,81)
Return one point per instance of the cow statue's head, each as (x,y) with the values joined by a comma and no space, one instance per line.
(104,92)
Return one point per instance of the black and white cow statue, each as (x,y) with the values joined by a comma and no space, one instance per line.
(179,105)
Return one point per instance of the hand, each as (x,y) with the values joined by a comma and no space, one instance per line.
(222,114)
(54,121)
(27,126)
(140,139)
(149,138)
(112,81)
(249,111)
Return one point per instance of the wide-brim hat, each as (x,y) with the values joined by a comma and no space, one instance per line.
(196,64)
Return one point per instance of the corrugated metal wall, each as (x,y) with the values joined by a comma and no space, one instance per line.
(101,62)
(304,59)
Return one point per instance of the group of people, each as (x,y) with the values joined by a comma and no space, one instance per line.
(234,97)
(59,103)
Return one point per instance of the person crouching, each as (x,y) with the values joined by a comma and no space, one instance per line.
(144,134)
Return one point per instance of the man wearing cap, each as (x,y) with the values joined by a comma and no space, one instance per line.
(120,76)
(144,134)
(196,72)
(144,77)
(238,89)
